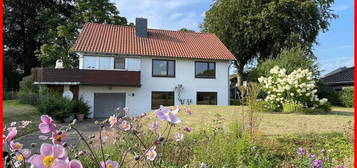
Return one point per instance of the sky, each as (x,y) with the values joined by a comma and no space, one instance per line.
(334,49)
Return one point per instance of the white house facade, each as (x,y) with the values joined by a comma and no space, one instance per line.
(185,69)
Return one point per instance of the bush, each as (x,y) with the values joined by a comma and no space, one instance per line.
(292,107)
(235,102)
(262,106)
(347,97)
(329,93)
(10,95)
(28,93)
(55,106)
(322,109)
(79,107)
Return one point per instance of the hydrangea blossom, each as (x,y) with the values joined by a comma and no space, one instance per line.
(297,86)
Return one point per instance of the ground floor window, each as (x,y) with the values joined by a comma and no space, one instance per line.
(207,98)
(162,98)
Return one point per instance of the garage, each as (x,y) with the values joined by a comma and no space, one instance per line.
(105,104)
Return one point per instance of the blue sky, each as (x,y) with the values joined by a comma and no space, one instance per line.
(335,47)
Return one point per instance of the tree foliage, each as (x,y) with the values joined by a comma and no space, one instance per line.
(186,30)
(259,29)
(290,59)
(63,37)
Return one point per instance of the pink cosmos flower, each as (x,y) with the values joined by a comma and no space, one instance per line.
(22,154)
(58,136)
(154,126)
(112,120)
(165,114)
(70,164)
(124,125)
(49,156)
(15,146)
(109,164)
(47,124)
(151,153)
(178,137)
(11,135)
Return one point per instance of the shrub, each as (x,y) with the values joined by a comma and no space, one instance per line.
(298,86)
(347,97)
(262,106)
(322,109)
(292,107)
(55,106)
(10,95)
(28,93)
(235,102)
(79,107)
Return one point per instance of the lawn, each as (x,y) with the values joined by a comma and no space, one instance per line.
(272,123)
(14,111)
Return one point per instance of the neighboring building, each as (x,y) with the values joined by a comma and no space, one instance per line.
(140,68)
(340,78)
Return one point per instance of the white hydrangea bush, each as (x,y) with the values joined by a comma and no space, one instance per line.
(296,87)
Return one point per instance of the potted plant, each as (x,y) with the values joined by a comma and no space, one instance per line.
(80,108)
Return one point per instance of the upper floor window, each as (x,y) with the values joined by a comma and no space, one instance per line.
(119,63)
(205,69)
(163,68)
(90,62)
(105,63)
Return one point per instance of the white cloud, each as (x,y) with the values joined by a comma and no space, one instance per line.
(162,14)
(328,65)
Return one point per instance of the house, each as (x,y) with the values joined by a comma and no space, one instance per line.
(142,68)
(340,78)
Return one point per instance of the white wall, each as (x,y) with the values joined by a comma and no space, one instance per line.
(185,75)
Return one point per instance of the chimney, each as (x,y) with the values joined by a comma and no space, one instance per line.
(141,27)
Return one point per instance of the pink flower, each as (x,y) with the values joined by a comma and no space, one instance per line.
(71,164)
(22,154)
(178,137)
(154,126)
(187,129)
(15,146)
(112,120)
(165,114)
(25,124)
(11,135)
(57,137)
(151,153)
(109,164)
(49,156)
(47,124)
(124,125)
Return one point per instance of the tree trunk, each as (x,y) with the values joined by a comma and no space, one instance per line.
(239,74)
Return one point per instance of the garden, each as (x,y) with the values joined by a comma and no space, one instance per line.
(312,134)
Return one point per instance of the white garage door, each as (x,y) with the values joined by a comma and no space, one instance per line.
(105,104)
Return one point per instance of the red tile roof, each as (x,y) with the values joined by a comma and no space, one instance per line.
(105,38)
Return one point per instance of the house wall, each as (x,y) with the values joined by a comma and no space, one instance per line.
(139,99)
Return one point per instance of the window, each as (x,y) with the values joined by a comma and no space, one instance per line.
(205,69)
(90,62)
(162,98)
(163,68)
(206,98)
(104,63)
(119,63)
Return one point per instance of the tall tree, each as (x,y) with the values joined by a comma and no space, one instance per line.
(63,37)
(259,29)
(24,33)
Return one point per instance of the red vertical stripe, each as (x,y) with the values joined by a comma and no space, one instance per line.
(1,69)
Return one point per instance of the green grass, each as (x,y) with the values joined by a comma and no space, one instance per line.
(271,123)
(14,111)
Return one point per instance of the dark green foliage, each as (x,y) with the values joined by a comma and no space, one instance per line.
(329,93)
(9,95)
(322,109)
(80,107)
(55,106)
(290,59)
(254,29)
(292,107)
(235,102)
(58,107)
(186,30)
(346,97)
(28,93)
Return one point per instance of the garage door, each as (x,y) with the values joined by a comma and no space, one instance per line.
(105,104)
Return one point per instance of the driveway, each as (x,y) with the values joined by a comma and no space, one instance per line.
(86,127)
